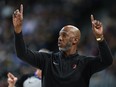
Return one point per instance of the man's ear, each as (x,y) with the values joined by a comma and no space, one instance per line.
(75,40)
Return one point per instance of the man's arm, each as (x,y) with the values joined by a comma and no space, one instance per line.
(34,58)
(18,19)
(105,58)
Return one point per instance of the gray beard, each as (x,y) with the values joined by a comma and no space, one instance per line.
(65,48)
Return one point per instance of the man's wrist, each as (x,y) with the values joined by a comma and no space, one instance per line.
(18,29)
(99,39)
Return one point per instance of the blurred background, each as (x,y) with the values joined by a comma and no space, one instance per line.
(42,21)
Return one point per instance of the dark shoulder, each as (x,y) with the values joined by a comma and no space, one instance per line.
(56,53)
(81,57)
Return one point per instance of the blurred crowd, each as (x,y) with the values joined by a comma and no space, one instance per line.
(42,21)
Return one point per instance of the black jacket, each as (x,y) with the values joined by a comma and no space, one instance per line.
(58,71)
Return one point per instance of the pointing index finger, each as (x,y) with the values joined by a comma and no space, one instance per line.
(21,8)
(92,18)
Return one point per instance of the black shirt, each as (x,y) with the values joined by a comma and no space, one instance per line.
(60,71)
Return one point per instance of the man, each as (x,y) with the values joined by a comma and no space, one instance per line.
(66,68)
(27,80)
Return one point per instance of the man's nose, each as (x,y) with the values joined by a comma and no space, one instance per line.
(59,38)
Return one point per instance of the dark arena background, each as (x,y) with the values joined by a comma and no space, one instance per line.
(42,21)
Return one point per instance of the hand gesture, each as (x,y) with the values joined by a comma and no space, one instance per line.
(17,19)
(11,80)
(97,27)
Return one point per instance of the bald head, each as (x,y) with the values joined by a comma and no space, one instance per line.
(69,38)
(72,29)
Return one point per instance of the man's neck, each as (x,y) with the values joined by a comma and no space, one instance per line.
(70,52)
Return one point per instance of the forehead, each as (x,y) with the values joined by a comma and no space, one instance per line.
(64,32)
(67,30)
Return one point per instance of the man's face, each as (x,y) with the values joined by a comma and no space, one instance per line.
(65,40)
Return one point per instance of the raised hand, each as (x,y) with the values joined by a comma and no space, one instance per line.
(11,80)
(18,19)
(97,28)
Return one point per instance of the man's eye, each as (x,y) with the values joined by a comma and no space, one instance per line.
(64,35)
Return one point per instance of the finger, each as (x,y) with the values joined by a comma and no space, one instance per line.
(101,24)
(21,8)
(8,75)
(16,12)
(11,75)
(10,80)
(97,22)
(13,18)
(92,18)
